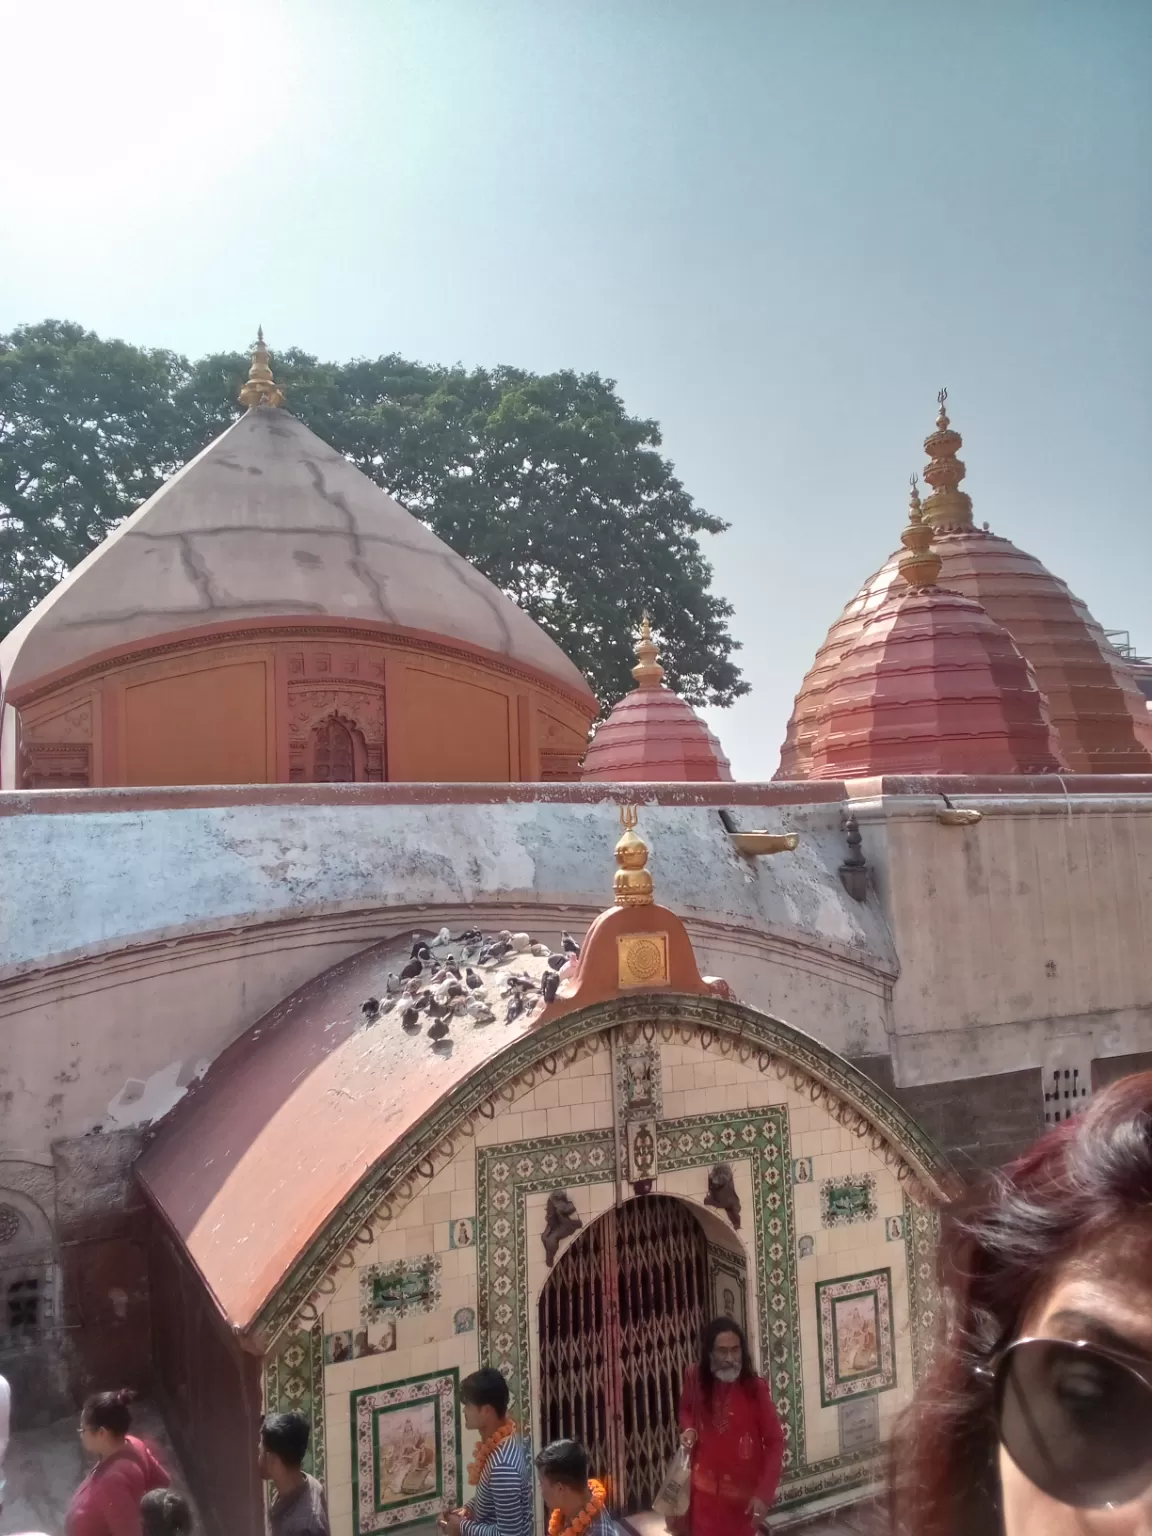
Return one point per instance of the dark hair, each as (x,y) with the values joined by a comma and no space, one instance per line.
(564,1461)
(110,1411)
(708,1336)
(286,1435)
(485,1388)
(164,1513)
(1080,1184)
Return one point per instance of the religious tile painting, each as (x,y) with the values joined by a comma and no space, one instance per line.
(399,1288)
(801,1170)
(894,1229)
(374,1339)
(337,1347)
(847,1199)
(406,1466)
(857,1352)
(464,1320)
(639,1094)
(462,1232)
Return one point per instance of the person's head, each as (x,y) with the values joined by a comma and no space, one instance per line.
(284,1441)
(164,1513)
(563,1471)
(723,1353)
(484,1395)
(105,1420)
(1036,1418)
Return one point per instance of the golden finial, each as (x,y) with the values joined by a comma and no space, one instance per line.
(648,670)
(948,506)
(261,387)
(918,565)
(633,883)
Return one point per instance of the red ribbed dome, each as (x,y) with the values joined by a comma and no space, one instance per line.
(1096,708)
(653,735)
(931,685)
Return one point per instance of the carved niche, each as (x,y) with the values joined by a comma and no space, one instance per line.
(56,752)
(337,734)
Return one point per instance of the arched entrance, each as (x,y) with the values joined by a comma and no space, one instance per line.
(620,1319)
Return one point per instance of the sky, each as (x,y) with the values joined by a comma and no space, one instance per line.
(779,225)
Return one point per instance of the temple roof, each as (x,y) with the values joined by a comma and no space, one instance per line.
(269,522)
(1093,700)
(652,735)
(293,1115)
(931,685)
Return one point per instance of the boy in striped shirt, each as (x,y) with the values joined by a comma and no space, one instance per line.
(501,1503)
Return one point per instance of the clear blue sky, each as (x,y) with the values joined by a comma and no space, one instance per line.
(779,226)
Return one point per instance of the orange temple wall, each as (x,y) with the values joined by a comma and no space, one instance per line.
(293,705)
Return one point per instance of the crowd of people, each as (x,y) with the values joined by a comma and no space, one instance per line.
(1035,1419)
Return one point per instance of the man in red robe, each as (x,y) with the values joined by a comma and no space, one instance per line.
(729,1420)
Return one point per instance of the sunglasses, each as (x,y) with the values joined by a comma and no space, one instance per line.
(1076,1419)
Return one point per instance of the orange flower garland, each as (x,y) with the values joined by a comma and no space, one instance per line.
(486,1448)
(591,1512)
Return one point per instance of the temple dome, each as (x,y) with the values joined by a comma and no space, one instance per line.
(1096,708)
(652,735)
(930,684)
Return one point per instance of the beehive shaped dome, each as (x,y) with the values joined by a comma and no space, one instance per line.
(652,734)
(1095,705)
(930,684)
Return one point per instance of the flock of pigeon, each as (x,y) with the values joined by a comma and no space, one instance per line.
(464,979)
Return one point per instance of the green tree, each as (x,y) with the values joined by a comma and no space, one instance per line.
(543,481)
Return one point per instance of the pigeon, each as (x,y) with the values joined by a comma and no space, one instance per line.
(548,984)
(558,962)
(438,1030)
(541,951)
(515,1008)
(452,968)
(393,982)
(568,944)
(410,1019)
(472,937)
(480,1012)
(473,980)
(417,946)
(412,987)
(496,951)
(424,1000)
(442,938)
(413,968)
(440,977)
(454,989)
(521,942)
(370,1008)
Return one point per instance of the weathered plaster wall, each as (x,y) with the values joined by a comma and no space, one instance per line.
(1023,939)
(139,944)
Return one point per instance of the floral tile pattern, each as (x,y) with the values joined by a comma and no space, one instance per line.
(396,1289)
(294,1383)
(857,1353)
(847,1199)
(406,1466)
(921,1241)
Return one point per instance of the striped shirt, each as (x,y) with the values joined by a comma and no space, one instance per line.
(502,1502)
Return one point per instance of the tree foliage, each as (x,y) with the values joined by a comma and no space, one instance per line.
(542,481)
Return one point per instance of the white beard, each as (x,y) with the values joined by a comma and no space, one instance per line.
(726,1372)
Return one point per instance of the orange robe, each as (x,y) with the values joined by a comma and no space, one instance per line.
(738,1456)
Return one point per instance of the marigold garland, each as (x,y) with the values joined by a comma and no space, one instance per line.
(591,1512)
(486,1448)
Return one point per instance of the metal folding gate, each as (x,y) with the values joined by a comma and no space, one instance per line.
(620,1319)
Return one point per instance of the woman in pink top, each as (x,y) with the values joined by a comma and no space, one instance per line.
(107,1502)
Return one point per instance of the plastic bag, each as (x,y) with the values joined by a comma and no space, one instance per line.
(676,1489)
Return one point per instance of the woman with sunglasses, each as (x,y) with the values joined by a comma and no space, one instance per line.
(1036,1418)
